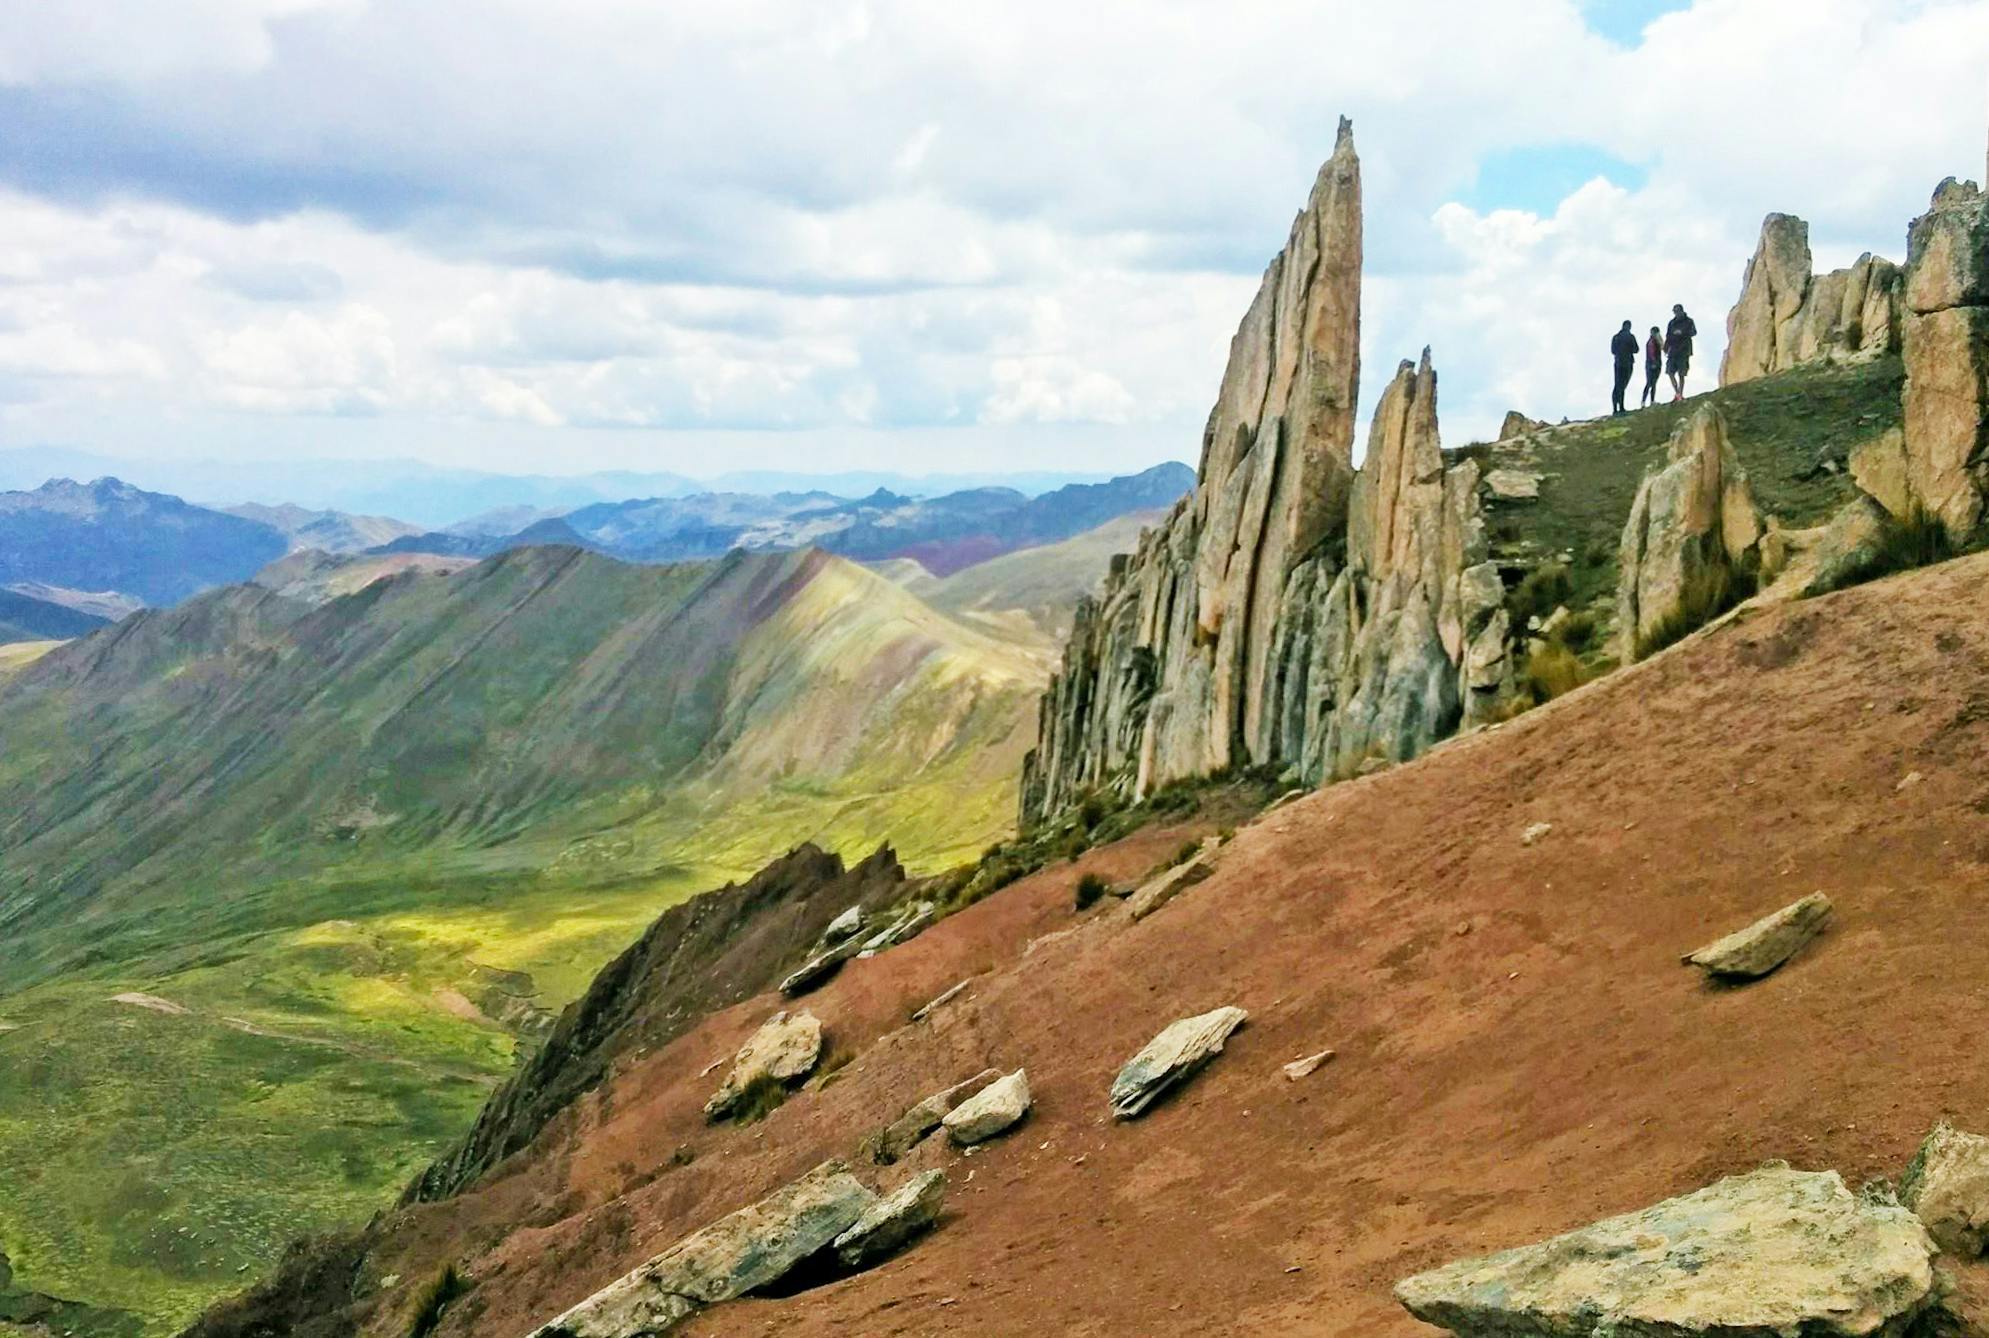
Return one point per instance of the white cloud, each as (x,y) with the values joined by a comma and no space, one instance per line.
(857,217)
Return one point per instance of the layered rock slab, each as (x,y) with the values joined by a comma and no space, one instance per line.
(1946,348)
(1765,945)
(1170,1059)
(746,1250)
(1776,1253)
(990,1112)
(885,1228)
(910,1129)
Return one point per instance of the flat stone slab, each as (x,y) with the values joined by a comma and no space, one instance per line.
(734,1255)
(1163,888)
(784,1048)
(995,1109)
(1947,1187)
(910,1129)
(1775,1253)
(1750,953)
(820,967)
(1170,1059)
(883,1230)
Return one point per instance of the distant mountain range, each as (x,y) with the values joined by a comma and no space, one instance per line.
(437,498)
(943,534)
(26,618)
(132,548)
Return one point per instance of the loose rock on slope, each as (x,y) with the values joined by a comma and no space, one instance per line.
(1171,1058)
(1776,1253)
(995,1109)
(1947,1187)
(1753,952)
(734,1255)
(882,1230)
(910,1129)
(784,1049)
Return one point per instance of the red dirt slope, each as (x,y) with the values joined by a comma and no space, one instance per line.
(1520,1050)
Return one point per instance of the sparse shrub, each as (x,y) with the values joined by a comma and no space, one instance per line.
(1089,889)
(758,1099)
(1551,669)
(1091,812)
(1578,632)
(1710,591)
(1186,851)
(1539,593)
(832,1066)
(446,1287)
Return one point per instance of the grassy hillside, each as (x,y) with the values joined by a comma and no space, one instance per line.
(283,884)
(1037,589)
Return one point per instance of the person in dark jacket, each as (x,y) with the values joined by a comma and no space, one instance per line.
(1678,338)
(1624,346)
(1653,368)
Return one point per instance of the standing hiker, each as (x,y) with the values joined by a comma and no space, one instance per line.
(1678,349)
(1624,346)
(1653,368)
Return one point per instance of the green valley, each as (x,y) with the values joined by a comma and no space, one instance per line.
(284,883)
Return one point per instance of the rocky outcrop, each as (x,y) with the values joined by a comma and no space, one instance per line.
(1947,1187)
(1692,541)
(1517,424)
(1773,1252)
(784,1050)
(884,1228)
(1753,952)
(1170,1059)
(747,1250)
(1946,347)
(993,1110)
(1787,317)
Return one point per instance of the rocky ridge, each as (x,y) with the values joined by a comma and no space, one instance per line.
(1294,612)
(1787,317)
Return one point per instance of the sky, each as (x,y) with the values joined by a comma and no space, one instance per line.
(711,235)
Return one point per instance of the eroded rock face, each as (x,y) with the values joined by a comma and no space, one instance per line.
(1775,1252)
(1292,613)
(1170,1059)
(1753,952)
(1946,346)
(1693,531)
(995,1109)
(893,1220)
(736,1254)
(1947,1187)
(1787,317)
(784,1049)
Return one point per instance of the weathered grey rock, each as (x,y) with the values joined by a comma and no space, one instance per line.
(1753,952)
(843,926)
(909,923)
(1786,317)
(1946,348)
(1165,886)
(1513,485)
(1826,558)
(1309,1065)
(784,1048)
(883,1230)
(1947,1187)
(736,1254)
(995,1109)
(1170,1059)
(910,1129)
(1517,424)
(820,967)
(1776,1253)
(1693,527)
(940,1001)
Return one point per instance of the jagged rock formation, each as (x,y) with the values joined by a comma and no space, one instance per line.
(1787,317)
(1290,613)
(1694,532)
(1945,448)
(1776,1251)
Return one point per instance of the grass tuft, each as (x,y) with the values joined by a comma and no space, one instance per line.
(1709,591)
(447,1287)
(1089,889)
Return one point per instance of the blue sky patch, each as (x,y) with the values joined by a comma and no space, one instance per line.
(1538,177)
(1623,21)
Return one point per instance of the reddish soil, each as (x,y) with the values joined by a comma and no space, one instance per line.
(1520,1050)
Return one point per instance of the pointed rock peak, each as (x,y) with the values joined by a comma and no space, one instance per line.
(1423,368)
(1344,141)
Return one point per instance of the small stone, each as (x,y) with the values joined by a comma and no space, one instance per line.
(941,1001)
(1753,952)
(1909,780)
(993,1110)
(1164,888)
(910,1129)
(1535,832)
(1306,1067)
(890,1222)
(844,925)
(1170,1059)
